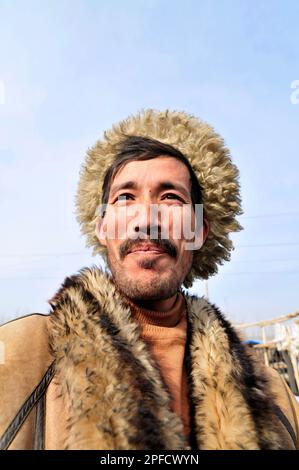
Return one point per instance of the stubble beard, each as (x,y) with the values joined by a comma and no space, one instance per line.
(157,287)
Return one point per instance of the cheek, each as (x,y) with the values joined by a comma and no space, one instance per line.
(185,255)
(179,222)
(171,222)
(120,222)
(112,246)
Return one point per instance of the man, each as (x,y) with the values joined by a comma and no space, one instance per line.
(126,359)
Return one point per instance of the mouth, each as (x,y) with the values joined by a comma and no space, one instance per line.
(147,250)
(147,253)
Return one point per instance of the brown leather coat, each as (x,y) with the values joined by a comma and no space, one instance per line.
(82,378)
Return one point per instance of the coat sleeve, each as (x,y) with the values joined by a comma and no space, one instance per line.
(286,401)
(24,359)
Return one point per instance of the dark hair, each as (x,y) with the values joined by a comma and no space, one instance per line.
(134,148)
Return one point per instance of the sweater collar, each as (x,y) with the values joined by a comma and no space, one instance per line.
(169,318)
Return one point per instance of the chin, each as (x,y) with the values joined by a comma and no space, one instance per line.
(148,285)
(143,275)
(142,283)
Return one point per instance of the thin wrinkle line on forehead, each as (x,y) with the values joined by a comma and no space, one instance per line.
(161,185)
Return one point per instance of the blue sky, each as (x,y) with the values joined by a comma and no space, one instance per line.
(69,69)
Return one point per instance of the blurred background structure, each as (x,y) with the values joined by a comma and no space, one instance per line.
(276,343)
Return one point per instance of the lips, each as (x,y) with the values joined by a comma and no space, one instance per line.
(147,248)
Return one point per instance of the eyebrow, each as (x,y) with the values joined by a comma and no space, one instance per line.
(160,187)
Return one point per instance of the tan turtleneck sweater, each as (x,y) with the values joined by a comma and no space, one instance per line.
(165,333)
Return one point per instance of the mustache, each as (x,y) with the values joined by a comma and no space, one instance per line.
(162,243)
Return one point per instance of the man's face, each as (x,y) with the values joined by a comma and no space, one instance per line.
(143,266)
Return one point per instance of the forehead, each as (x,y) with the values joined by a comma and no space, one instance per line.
(153,170)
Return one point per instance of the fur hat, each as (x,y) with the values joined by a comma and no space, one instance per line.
(210,160)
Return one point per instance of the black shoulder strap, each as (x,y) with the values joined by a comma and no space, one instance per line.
(280,414)
(37,397)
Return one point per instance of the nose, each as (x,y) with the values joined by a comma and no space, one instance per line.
(146,221)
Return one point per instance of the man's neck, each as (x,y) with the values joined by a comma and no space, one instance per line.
(160,305)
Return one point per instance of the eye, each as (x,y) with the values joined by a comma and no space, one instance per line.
(123,197)
(174,196)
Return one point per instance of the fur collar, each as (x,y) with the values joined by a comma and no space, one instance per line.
(118,399)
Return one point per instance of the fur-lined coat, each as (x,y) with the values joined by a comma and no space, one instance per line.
(83,378)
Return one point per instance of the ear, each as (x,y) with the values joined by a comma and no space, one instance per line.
(100,230)
(205,229)
(201,235)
